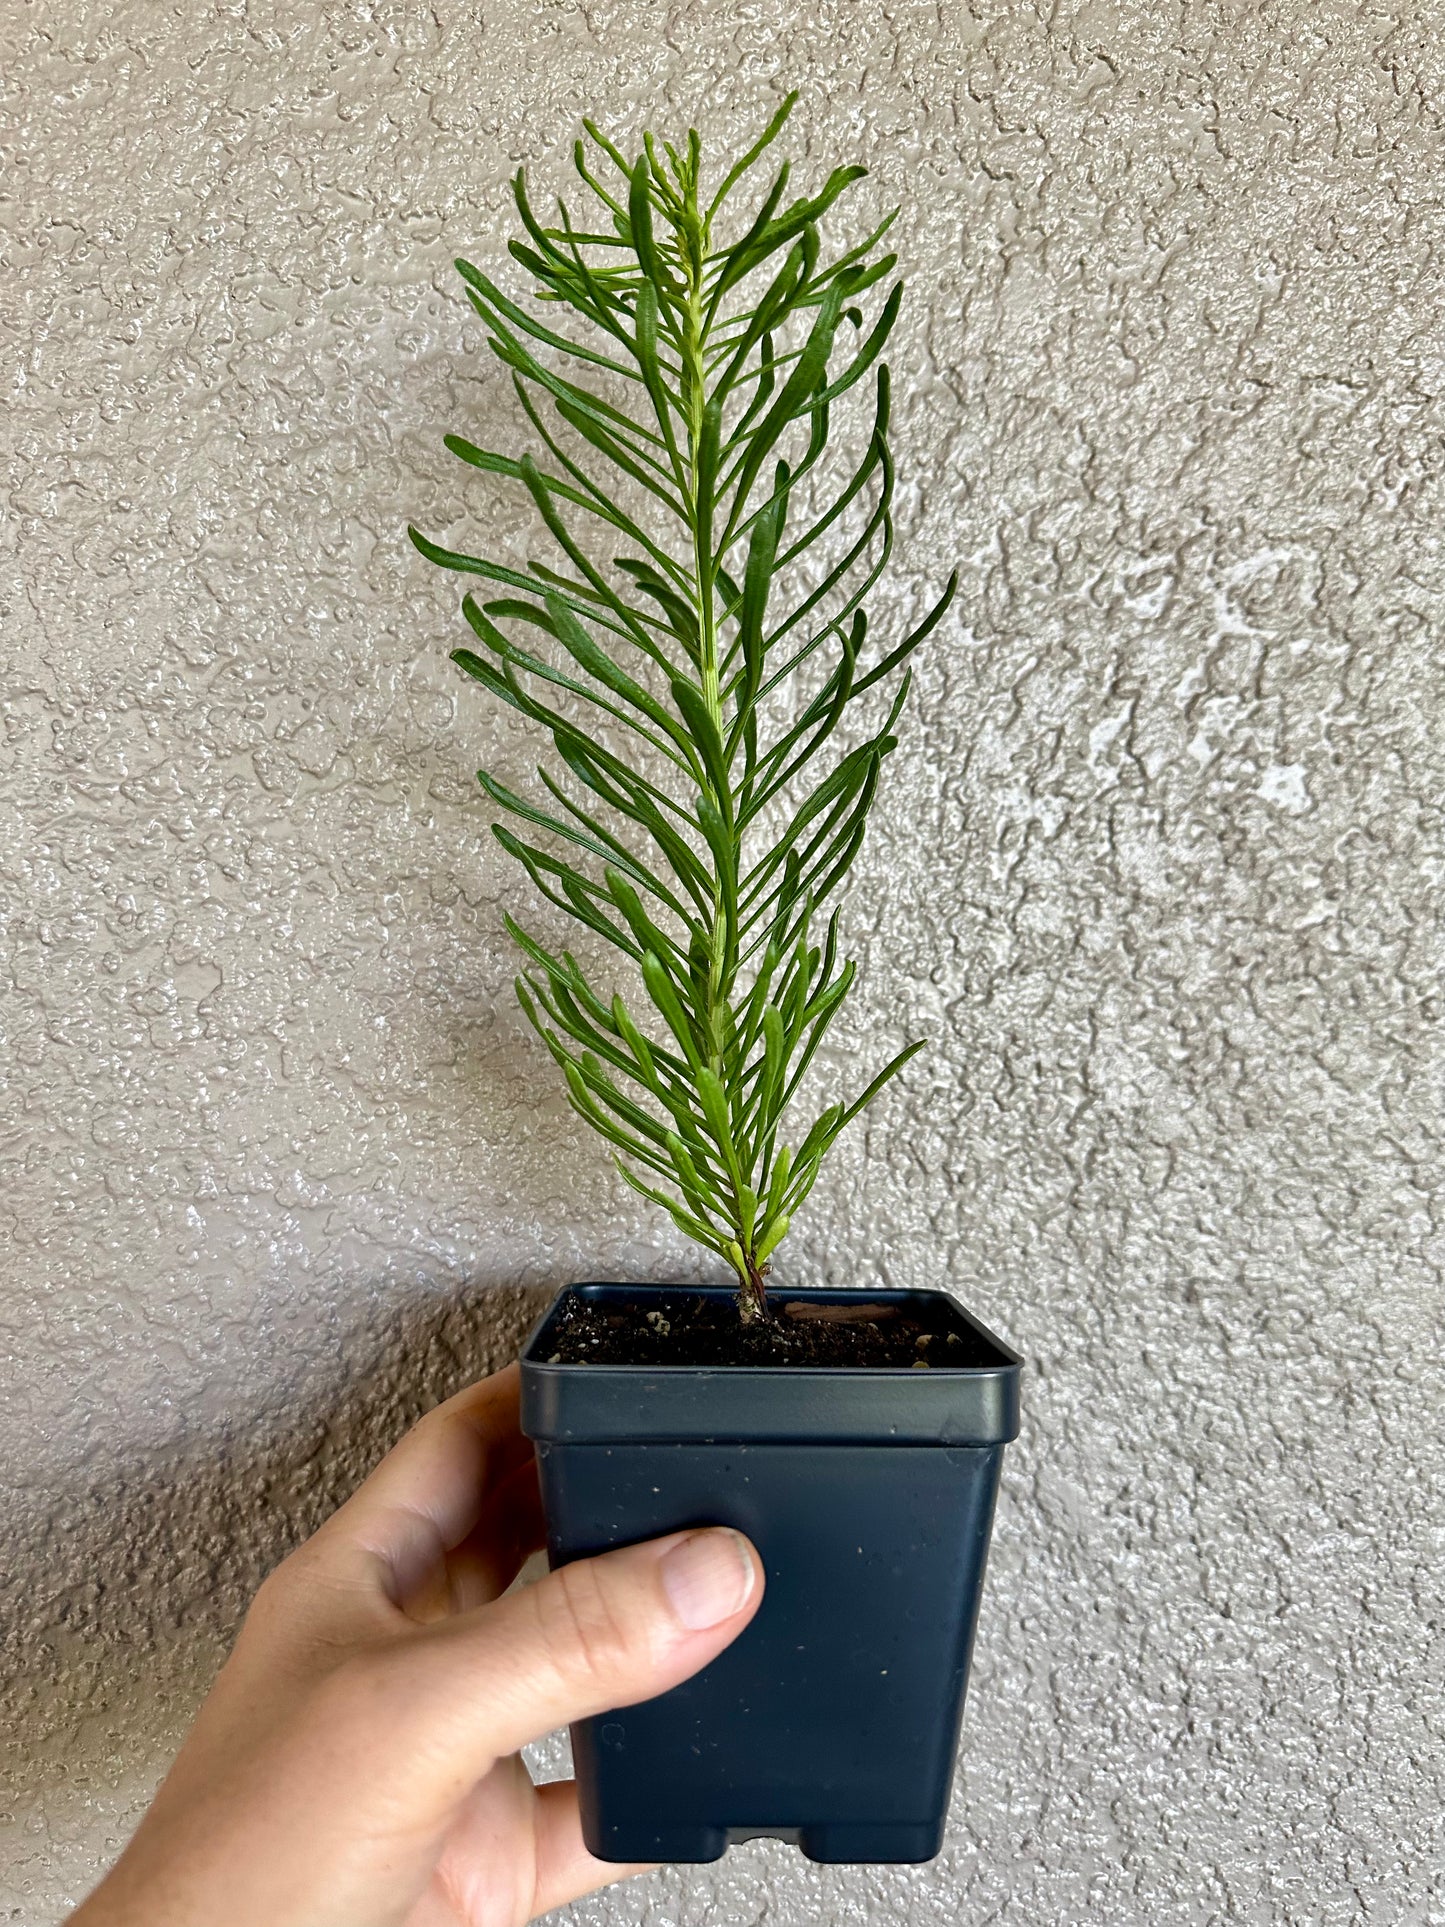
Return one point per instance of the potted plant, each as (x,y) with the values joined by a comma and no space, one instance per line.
(696,647)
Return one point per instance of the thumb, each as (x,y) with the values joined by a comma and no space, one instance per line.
(599,1633)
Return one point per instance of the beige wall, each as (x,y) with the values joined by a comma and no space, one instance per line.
(1159,869)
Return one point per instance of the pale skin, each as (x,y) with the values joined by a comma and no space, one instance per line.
(357,1763)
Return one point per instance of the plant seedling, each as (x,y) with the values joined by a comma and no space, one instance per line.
(697,650)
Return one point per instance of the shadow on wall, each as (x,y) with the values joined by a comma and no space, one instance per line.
(120,1602)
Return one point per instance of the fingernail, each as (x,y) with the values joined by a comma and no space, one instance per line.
(708,1577)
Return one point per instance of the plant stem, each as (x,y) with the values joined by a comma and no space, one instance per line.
(752,1293)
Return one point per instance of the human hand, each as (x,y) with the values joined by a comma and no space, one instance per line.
(356,1764)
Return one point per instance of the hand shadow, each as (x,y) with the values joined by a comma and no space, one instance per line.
(119,1598)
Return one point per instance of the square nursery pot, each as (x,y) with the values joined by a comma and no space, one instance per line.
(832,1721)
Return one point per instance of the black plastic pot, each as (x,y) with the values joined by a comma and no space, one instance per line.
(832,1721)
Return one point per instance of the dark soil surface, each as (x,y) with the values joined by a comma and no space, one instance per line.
(685,1328)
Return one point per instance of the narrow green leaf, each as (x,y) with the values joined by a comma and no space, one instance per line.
(703,730)
(759,147)
(889,1071)
(771,1239)
(663,992)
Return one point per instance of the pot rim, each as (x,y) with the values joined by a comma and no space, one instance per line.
(887,1405)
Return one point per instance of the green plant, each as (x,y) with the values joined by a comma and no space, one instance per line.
(702,836)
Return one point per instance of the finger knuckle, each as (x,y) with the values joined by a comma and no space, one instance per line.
(581,1627)
(295,1574)
(273,1605)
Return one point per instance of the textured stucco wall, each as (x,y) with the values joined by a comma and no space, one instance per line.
(1159,868)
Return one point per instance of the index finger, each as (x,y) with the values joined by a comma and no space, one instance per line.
(432,1488)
